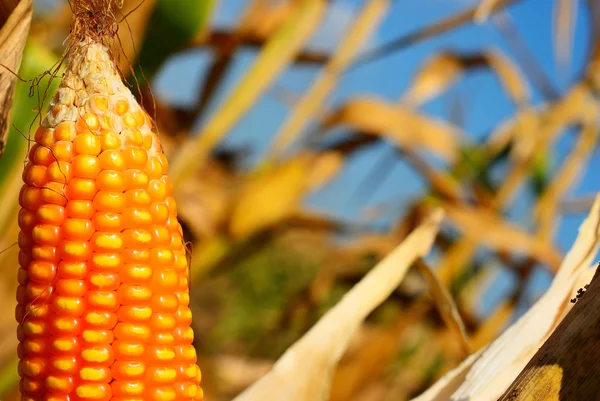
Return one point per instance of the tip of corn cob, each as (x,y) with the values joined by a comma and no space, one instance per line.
(103,301)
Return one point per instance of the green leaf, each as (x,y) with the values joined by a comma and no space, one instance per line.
(172,25)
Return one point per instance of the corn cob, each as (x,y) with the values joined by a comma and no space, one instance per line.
(103,281)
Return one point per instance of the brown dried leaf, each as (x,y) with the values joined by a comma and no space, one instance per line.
(506,357)
(15,19)
(434,77)
(275,193)
(305,371)
(275,56)
(511,79)
(311,103)
(445,305)
(402,126)
(564,21)
(443,388)
(545,211)
(485,9)
(485,226)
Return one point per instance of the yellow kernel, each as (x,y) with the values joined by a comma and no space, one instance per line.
(112,160)
(54,192)
(41,271)
(134,238)
(136,179)
(87,122)
(162,322)
(66,364)
(109,140)
(123,370)
(137,197)
(40,155)
(62,151)
(59,171)
(65,131)
(121,106)
(104,320)
(135,157)
(87,143)
(133,137)
(81,229)
(71,287)
(33,328)
(68,306)
(71,269)
(97,336)
(102,299)
(47,138)
(134,313)
(106,261)
(81,208)
(127,389)
(125,350)
(107,241)
(129,120)
(131,331)
(147,142)
(81,189)
(75,250)
(86,166)
(95,374)
(133,294)
(163,162)
(140,117)
(136,217)
(32,367)
(35,175)
(163,393)
(46,234)
(107,221)
(93,391)
(109,201)
(103,280)
(65,345)
(161,257)
(136,274)
(154,168)
(111,180)
(100,102)
(51,214)
(160,374)
(108,120)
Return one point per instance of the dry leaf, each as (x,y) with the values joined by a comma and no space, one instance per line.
(545,211)
(564,21)
(274,57)
(443,388)
(14,27)
(509,75)
(485,9)
(566,365)
(276,192)
(269,197)
(505,358)
(483,225)
(433,78)
(312,101)
(304,372)
(404,127)
(445,305)
(445,68)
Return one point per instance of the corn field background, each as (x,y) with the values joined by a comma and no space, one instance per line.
(307,139)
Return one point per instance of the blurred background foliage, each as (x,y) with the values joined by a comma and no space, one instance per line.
(307,138)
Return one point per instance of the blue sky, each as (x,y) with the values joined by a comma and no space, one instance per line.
(486,104)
